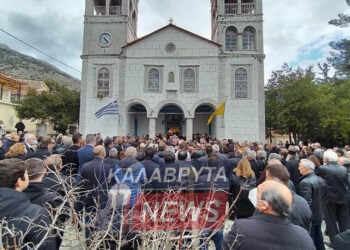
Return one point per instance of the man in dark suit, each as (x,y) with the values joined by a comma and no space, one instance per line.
(150,168)
(85,154)
(274,203)
(311,187)
(335,207)
(95,179)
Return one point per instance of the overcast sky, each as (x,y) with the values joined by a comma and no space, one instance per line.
(295,31)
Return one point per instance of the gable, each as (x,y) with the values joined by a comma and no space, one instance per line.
(171,41)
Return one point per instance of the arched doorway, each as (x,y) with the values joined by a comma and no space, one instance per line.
(202,114)
(137,120)
(172,119)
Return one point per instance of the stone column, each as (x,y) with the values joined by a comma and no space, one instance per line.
(189,128)
(151,127)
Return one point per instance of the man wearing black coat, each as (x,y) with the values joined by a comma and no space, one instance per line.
(70,157)
(301,214)
(151,167)
(311,187)
(95,180)
(292,166)
(336,208)
(30,221)
(38,193)
(270,228)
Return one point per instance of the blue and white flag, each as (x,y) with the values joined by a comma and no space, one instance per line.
(110,109)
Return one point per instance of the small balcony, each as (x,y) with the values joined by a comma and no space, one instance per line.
(231,8)
(115,10)
(100,11)
(245,8)
(248,8)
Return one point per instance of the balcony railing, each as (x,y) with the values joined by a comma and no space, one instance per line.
(115,10)
(231,8)
(100,11)
(247,8)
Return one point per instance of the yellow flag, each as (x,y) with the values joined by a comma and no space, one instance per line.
(219,111)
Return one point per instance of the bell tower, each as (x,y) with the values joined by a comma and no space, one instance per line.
(237,25)
(109,25)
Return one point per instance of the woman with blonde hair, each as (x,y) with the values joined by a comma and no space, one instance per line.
(243,180)
(17,150)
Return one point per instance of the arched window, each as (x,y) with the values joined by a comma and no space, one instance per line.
(103,82)
(231,39)
(189,80)
(249,38)
(241,83)
(153,80)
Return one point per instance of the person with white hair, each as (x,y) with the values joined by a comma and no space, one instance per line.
(131,172)
(312,187)
(336,209)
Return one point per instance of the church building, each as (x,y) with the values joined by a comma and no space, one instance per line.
(173,79)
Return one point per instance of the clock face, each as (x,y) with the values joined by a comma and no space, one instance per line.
(104,40)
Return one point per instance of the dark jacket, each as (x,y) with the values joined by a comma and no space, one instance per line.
(243,207)
(56,182)
(312,187)
(169,173)
(337,182)
(301,212)
(341,241)
(150,168)
(41,153)
(16,207)
(85,154)
(255,167)
(95,182)
(292,166)
(38,193)
(157,156)
(263,231)
(70,161)
(132,173)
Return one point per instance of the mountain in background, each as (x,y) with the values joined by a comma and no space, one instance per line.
(17,65)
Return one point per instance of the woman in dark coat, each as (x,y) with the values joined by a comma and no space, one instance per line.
(243,178)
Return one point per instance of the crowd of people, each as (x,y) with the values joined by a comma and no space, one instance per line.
(277,194)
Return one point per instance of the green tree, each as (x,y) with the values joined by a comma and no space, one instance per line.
(291,102)
(340,57)
(307,110)
(59,106)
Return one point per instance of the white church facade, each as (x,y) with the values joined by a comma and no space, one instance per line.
(173,79)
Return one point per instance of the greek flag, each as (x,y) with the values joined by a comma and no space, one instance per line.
(109,109)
